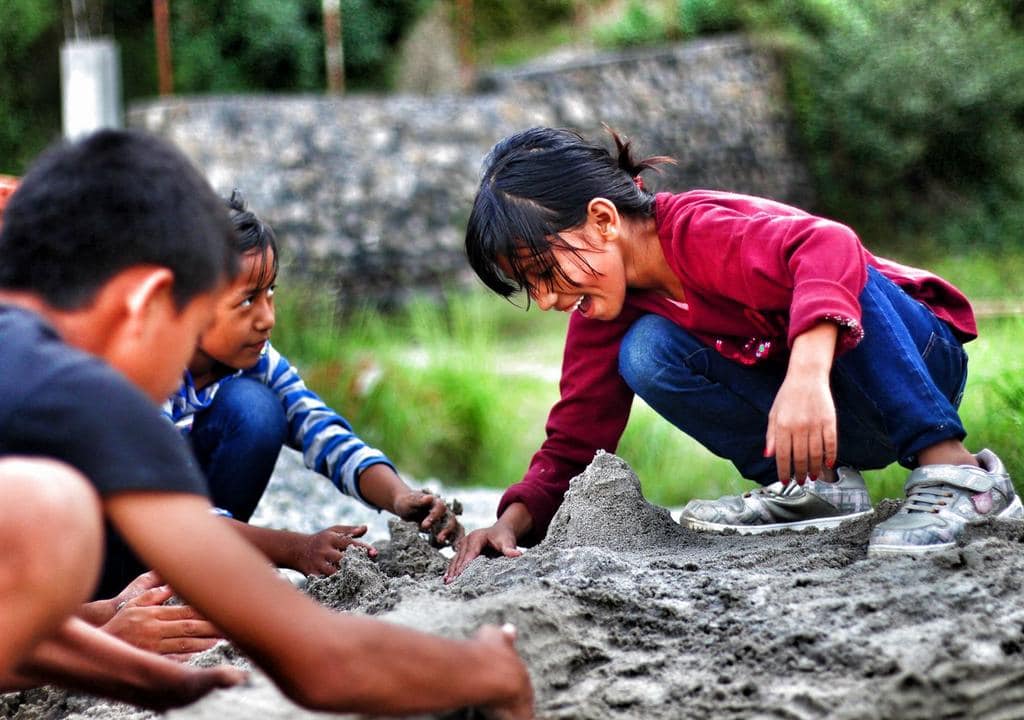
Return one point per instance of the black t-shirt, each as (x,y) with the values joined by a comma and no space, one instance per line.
(59,402)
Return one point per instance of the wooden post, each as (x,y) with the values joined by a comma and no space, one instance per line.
(464,29)
(162,33)
(334,50)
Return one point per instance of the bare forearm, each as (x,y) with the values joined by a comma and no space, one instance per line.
(434,673)
(98,612)
(517,519)
(380,485)
(83,657)
(814,350)
(279,546)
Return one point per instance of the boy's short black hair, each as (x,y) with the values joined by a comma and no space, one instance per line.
(89,209)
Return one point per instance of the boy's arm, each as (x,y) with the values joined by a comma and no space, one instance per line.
(82,657)
(310,554)
(330,447)
(320,658)
(381,485)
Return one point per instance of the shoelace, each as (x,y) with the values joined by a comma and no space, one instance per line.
(927,497)
(792,489)
(788,490)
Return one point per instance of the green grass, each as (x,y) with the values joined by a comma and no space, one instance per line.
(460,390)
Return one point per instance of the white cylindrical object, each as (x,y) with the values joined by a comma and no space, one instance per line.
(90,72)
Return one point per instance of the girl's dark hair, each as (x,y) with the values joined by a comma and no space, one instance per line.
(538,183)
(253,236)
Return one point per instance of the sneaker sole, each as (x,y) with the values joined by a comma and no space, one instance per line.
(1013,511)
(799,526)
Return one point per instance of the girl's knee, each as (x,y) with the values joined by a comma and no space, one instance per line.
(642,349)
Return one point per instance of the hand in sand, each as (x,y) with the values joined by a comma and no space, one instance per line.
(177,631)
(430,511)
(498,539)
(192,685)
(321,553)
(503,641)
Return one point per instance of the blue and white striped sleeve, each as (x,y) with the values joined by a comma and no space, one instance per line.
(325,438)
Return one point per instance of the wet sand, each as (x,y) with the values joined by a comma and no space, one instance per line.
(622,613)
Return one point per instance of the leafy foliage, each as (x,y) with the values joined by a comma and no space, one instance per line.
(29,41)
(911,113)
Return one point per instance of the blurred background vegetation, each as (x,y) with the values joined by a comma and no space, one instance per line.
(909,114)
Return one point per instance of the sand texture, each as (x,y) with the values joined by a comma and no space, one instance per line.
(622,613)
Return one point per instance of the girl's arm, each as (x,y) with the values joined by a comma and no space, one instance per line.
(501,538)
(802,422)
(310,554)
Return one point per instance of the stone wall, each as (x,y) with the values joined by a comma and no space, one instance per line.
(369,195)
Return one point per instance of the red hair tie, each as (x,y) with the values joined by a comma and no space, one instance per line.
(639,182)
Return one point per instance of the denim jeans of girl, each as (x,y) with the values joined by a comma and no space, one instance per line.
(896,393)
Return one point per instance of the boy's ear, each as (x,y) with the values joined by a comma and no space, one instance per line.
(147,286)
(603,215)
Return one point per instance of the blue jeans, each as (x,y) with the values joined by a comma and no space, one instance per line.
(237,440)
(896,393)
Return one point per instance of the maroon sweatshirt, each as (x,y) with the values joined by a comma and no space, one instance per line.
(756,274)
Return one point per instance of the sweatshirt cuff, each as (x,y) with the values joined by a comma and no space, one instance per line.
(816,301)
(357,489)
(539,504)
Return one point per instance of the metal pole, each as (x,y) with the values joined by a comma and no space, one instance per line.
(334,51)
(162,32)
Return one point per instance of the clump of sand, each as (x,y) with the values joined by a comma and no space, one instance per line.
(622,613)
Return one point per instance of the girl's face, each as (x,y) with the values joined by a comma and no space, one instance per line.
(244,315)
(592,280)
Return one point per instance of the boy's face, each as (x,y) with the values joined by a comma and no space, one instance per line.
(161,353)
(244,315)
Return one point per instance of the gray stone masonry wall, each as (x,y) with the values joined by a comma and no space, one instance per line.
(369,195)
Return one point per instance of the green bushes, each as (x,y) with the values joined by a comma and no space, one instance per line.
(425,384)
(242,46)
(30,81)
(910,113)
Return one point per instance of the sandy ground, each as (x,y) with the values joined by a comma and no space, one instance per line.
(624,614)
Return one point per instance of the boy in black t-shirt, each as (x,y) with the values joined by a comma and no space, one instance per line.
(114,249)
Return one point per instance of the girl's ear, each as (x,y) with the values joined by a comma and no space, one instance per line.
(604,216)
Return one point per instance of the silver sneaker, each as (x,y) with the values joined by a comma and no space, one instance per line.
(941,501)
(815,504)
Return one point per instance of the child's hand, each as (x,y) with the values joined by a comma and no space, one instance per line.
(502,650)
(498,539)
(321,553)
(802,426)
(432,514)
(177,631)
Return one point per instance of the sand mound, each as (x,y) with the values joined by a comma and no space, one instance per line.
(624,614)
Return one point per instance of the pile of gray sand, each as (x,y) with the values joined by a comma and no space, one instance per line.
(622,613)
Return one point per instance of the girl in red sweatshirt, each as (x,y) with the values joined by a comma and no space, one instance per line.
(770,335)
